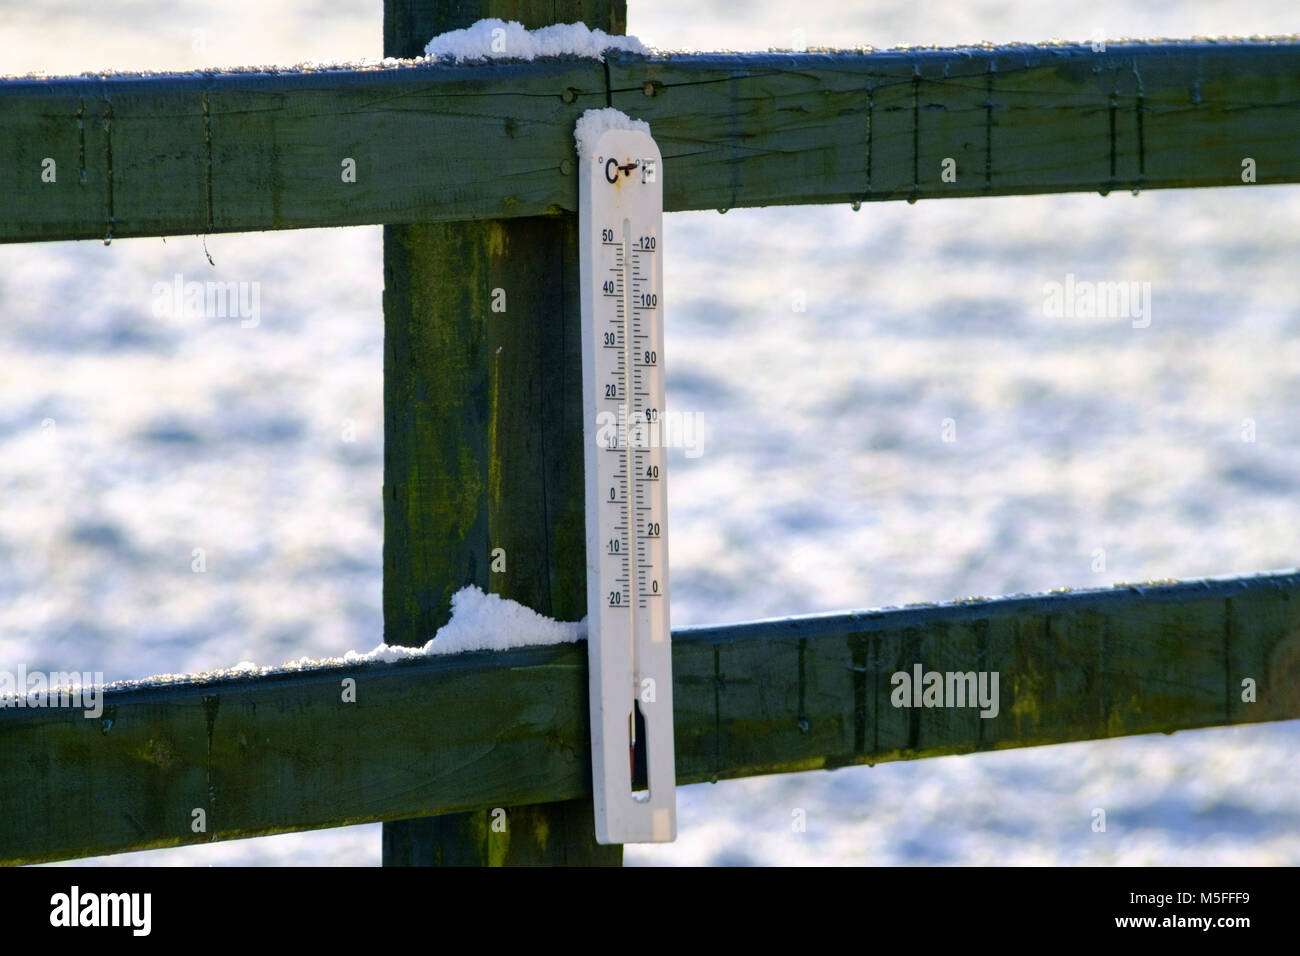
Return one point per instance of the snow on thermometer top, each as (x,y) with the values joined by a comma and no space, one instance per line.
(620,213)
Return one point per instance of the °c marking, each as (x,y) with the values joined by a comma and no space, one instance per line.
(611,175)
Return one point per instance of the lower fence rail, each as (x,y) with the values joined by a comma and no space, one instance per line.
(290,751)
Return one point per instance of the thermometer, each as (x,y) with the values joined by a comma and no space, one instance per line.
(620,231)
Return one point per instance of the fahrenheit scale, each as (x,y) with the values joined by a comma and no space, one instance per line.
(620,223)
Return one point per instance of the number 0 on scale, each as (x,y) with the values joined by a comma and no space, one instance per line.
(620,234)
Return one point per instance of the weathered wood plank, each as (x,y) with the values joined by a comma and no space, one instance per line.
(247,151)
(483,461)
(140,155)
(476,731)
(766,129)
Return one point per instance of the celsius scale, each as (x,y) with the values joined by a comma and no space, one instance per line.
(620,230)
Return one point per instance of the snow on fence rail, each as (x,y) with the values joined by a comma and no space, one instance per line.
(241,151)
(449,733)
(425,149)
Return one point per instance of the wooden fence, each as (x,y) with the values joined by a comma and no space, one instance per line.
(472,170)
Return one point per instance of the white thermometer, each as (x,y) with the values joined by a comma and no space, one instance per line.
(620,226)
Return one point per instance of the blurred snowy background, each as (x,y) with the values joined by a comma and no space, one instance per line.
(127,440)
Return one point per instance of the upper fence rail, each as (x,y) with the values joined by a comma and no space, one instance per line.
(168,154)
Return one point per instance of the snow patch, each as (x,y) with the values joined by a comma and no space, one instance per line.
(491,39)
(494,39)
(365,64)
(483,622)
(594,122)
(479,622)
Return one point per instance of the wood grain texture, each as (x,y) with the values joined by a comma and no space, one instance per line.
(246,152)
(141,156)
(768,129)
(483,462)
(476,731)
(483,420)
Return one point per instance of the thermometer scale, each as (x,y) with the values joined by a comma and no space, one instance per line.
(620,226)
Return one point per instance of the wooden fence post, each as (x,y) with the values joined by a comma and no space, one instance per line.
(483,465)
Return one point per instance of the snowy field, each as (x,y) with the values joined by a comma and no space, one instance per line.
(128,440)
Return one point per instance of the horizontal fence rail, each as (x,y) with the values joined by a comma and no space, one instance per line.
(434,735)
(247,151)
